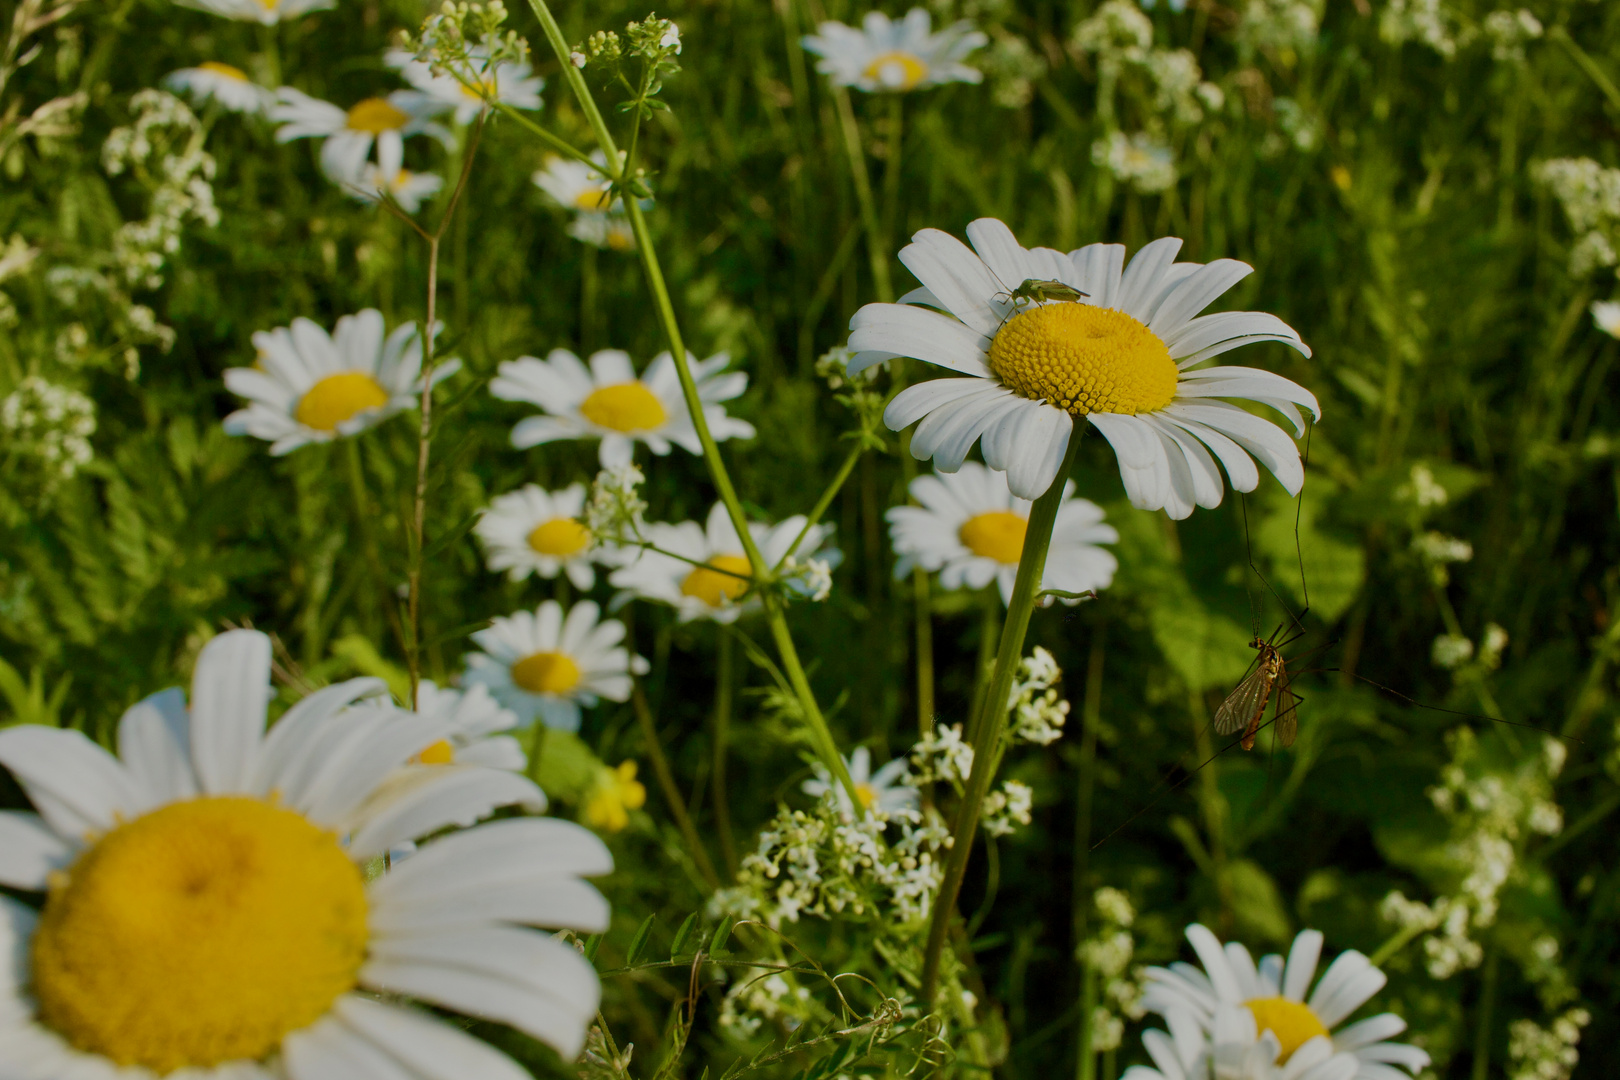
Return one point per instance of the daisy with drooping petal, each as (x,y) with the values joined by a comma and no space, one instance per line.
(508,82)
(267,12)
(223,83)
(349,134)
(389,177)
(204,911)
(893,57)
(1122,358)
(541,665)
(309,386)
(1232,1049)
(970,529)
(535,531)
(610,402)
(889,789)
(710,577)
(1274,991)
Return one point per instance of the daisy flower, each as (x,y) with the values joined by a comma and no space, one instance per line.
(535,531)
(894,57)
(610,231)
(390,177)
(599,218)
(350,134)
(223,83)
(1233,1050)
(609,402)
(709,579)
(541,665)
(477,728)
(267,12)
(970,528)
(1606,316)
(1274,992)
(889,790)
(509,82)
(308,386)
(1121,358)
(203,908)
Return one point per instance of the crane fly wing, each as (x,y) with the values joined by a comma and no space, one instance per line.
(1287,719)
(1244,703)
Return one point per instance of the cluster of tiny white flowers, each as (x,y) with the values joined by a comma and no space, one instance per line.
(1117,33)
(1548,1053)
(164,146)
(1301,127)
(1437,547)
(1142,160)
(1013,67)
(1590,196)
(1038,711)
(943,755)
(1507,32)
(613,512)
(1108,951)
(1005,810)
(15,257)
(1422,489)
(750,1004)
(1451,651)
(465,39)
(810,577)
(1280,27)
(1423,21)
(50,424)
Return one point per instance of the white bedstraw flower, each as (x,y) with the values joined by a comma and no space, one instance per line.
(541,665)
(710,578)
(610,402)
(535,531)
(888,790)
(308,386)
(1120,358)
(1274,992)
(267,12)
(206,914)
(1141,160)
(508,82)
(893,57)
(349,134)
(970,528)
(1606,317)
(223,83)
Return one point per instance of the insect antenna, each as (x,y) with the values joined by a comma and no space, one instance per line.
(1450,712)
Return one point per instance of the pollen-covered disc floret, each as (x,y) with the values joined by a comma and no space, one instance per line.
(1084,359)
(200,933)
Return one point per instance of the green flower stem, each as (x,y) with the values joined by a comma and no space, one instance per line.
(891,174)
(724,664)
(363,524)
(826,746)
(1395,943)
(876,247)
(666,784)
(923,601)
(562,146)
(1586,64)
(991,720)
(822,503)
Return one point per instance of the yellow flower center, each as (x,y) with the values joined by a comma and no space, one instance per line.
(617,793)
(223,70)
(626,406)
(269,5)
(593,198)
(620,238)
(376,115)
(559,538)
(867,794)
(439,753)
(546,673)
(720,584)
(1084,359)
(337,398)
(995,534)
(1292,1022)
(897,70)
(482,90)
(199,933)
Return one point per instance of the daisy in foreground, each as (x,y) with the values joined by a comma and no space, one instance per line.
(1121,357)
(971,529)
(268,12)
(893,57)
(540,665)
(889,789)
(204,907)
(223,83)
(535,531)
(705,574)
(1274,992)
(610,402)
(1232,1049)
(309,386)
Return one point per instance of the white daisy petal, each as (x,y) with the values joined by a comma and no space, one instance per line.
(1196,293)
(1357,987)
(1139,286)
(920,334)
(456,796)
(434,1049)
(915,402)
(77,787)
(229,695)
(154,742)
(1208,948)
(1366,1032)
(29,851)
(1302,959)
(327,1050)
(1099,268)
(954,279)
(1409,1057)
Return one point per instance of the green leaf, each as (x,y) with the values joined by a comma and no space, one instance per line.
(592,944)
(639,941)
(678,946)
(722,934)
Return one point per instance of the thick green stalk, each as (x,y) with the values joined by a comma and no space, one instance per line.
(822,735)
(991,720)
(876,247)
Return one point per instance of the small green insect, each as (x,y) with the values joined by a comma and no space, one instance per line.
(1038,291)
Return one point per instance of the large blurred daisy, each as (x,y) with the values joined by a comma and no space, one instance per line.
(1275,993)
(541,665)
(970,528)
(893,57)
(309,386)
(1122,358)
(202,904)
(535,531)
(1232,1049)
(610,402)
(230,86)
(507,82)
(350,133)
(268,12)
(705,573)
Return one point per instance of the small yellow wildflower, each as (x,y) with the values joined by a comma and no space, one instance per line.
(617,793)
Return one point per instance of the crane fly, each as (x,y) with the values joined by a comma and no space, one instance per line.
(1246,704)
